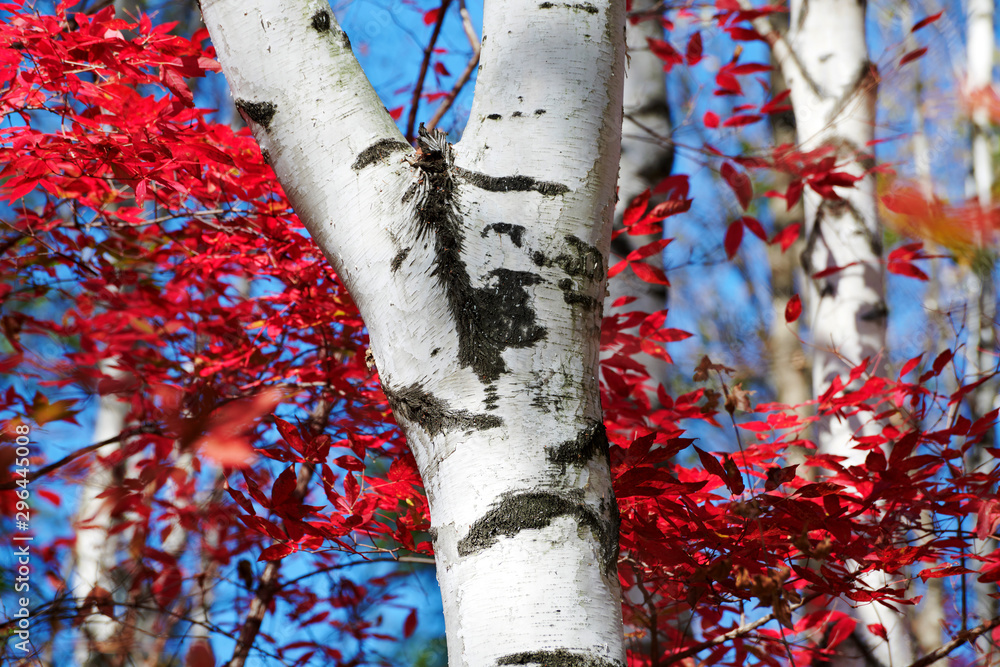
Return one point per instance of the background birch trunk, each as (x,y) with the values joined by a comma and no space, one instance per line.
(927,620)
(480,271)
(833,86)
(981,291)
(789,367)
(94,553)
(645,161)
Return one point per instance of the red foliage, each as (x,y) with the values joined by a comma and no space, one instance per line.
(153,244)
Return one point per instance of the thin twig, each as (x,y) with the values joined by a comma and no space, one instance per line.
(470,67)
(470,30)
(962,637)
(269,585)
(666,142)
(784,53)
(368,561)
(411,121)
(735,632)
(450,98)
(98,6)
(42,472)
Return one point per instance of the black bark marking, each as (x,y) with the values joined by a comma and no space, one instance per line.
(558,658)
(535,510)
(418,406)
(435,351)
(511,183)
(516,114)
(583,260)
(259,112)
(502,317)
(539,112)
(585,6)
(488,319)
(492,400)
(574,298)
(345,41)
(494,116)
(877,312)
(515,232)
(321,21)
(397,261)
(590,443)
(380,150)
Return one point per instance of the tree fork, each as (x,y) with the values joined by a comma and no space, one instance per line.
(480,269)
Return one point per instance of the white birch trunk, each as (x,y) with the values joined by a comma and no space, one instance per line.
(94,553)
(789,369)
(480,271)
(982,294)
(833,94)
(645,161)
(981,44)
(981,344)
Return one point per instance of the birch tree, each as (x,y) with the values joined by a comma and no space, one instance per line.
(646,159)
(833,86)
(789,372)
(981,290)
(480,270)
(93,584)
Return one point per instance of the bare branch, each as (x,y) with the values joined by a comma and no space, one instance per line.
(784,54)
(268,585)
(962,637)
(735,632)
(450,99)
(45,470)
(411,121)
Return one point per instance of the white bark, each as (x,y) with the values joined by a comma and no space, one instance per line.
(981,44)
(644,160)
(479,269)
(789,368)
(982,295)
(94,553)
(833,94)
